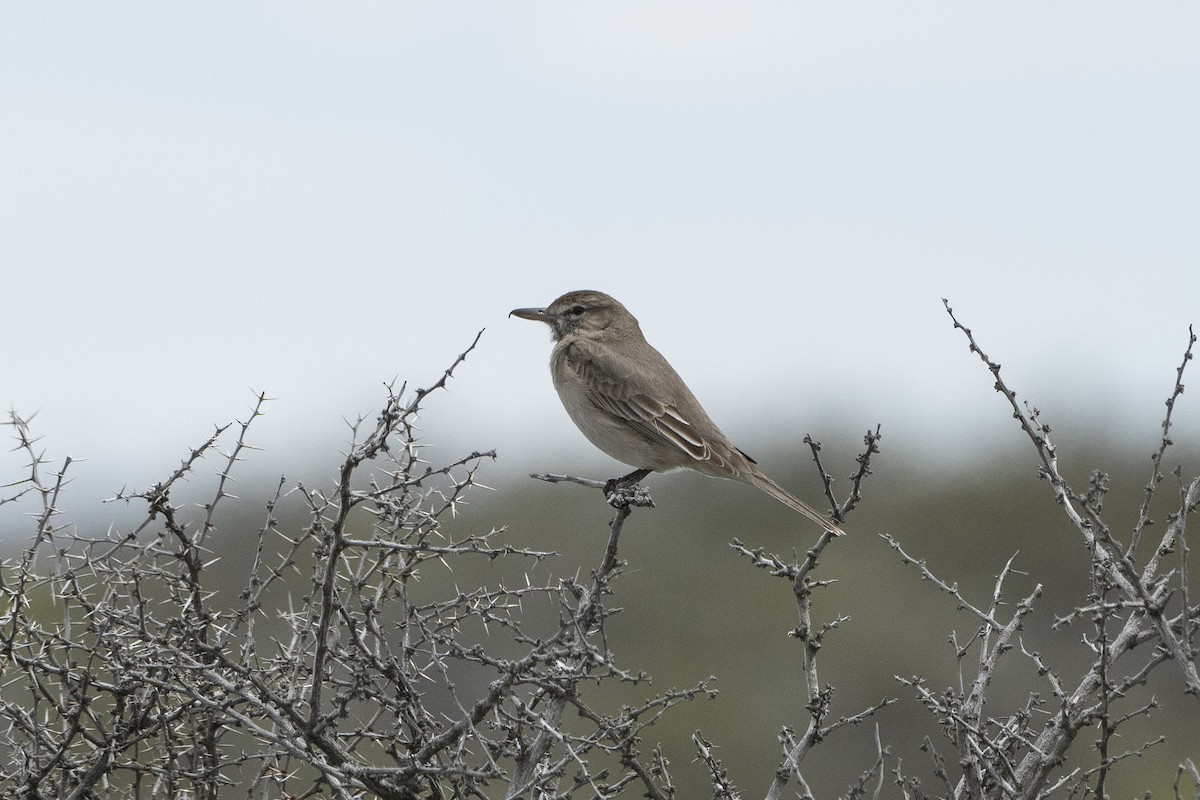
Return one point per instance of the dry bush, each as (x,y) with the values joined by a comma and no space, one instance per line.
(337,671)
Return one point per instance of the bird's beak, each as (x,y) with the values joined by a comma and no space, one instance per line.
(535,314)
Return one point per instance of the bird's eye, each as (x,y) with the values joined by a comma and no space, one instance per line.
(577,310)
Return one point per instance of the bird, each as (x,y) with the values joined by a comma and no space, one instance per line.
(630,402)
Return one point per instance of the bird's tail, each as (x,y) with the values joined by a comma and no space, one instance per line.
(791,501)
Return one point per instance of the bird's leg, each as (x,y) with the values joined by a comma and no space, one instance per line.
(624,491)
(625,482)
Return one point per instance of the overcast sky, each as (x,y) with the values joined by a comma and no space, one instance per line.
(201,200)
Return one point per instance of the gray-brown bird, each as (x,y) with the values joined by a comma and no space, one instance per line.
(630,402)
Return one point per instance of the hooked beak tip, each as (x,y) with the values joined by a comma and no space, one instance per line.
(538,314)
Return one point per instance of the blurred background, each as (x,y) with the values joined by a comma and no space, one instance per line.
(309,200)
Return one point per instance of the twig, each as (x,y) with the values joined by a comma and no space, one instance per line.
(1156,458)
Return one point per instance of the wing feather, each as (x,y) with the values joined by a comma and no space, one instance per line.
(642,391)
(653,399)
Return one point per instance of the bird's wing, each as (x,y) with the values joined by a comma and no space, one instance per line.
(643,391)
(649,395)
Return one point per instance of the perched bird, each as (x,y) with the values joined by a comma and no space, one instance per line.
(628,401)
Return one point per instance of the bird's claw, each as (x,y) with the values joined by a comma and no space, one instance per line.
(622,494)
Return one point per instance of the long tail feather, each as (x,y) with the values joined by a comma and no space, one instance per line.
(791,501)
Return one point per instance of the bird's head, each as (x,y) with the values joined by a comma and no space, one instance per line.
(585,313)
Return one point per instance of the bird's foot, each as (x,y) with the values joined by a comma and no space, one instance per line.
(623,495)
(626,491)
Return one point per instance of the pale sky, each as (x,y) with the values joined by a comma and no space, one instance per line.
(201,200)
